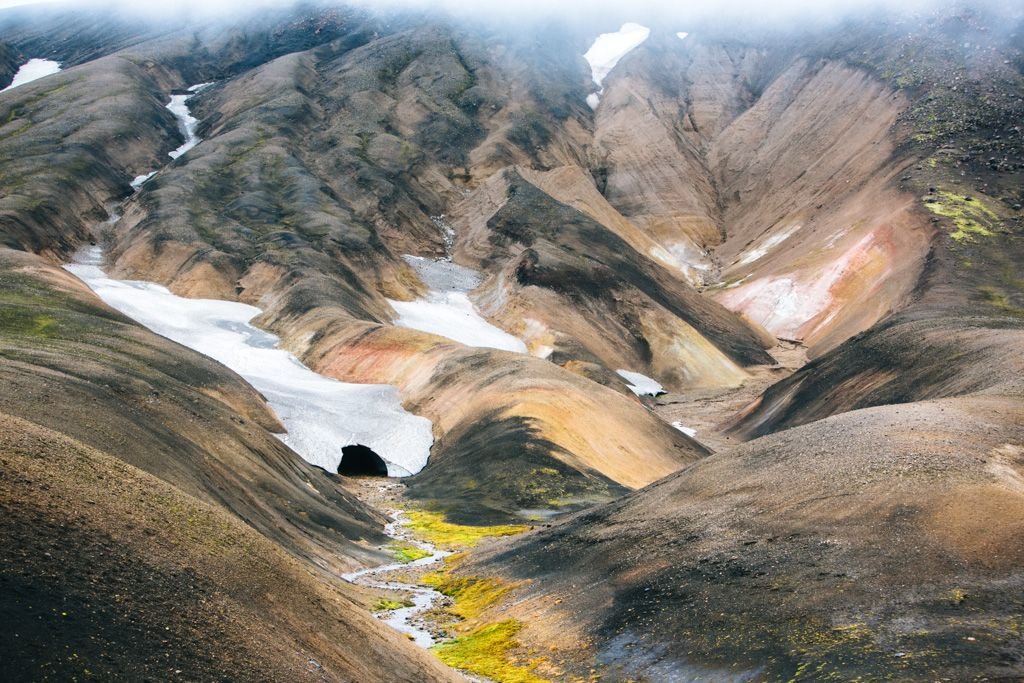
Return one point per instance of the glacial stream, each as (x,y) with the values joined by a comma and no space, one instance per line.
(407,620)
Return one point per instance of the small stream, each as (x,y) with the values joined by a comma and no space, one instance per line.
(406,620)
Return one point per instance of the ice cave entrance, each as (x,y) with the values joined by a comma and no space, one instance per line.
(360,461)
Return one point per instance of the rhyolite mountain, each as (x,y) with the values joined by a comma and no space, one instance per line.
(853,187)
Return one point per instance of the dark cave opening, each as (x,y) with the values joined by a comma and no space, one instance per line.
(360,461)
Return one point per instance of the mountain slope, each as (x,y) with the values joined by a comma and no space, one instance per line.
(851,546)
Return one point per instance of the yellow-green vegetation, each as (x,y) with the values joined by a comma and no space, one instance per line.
(998,298)
(486,651)
(970,215)
(23,321)
(472,594)
(407,552)
(388,605)
(432,527)
(957,596)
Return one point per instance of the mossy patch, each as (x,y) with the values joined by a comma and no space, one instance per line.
(432,527)
(24,322)
(486,651)
(406,552)
(994,296)
(472,595)
(388,605)
(970,215)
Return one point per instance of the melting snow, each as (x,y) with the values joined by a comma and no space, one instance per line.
(767,245)
(606,52)
(689,431)
(321,414)
(641,385)
(33,70)
(447,310)
(186,122)
(141,180)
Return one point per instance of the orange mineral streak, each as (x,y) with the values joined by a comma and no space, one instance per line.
(450,384)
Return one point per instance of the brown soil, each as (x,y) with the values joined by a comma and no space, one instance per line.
(712,411)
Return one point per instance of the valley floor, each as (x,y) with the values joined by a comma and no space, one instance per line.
(708,412)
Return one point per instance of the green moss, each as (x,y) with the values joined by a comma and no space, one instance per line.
(486,651)
(388,605)
(970,215)
(406,552)
(998,298)
(550,471)
(432,528)
(472,595)
(22,321)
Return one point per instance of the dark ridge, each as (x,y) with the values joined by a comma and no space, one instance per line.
(498,467)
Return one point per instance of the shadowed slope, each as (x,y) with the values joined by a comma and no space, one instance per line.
(110,572)
(70,364)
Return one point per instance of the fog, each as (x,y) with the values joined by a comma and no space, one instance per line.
(592,16)
(584,10)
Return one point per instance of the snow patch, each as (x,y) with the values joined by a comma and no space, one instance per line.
(452,315)
(447,310)
(767,245)
(682,35)
(33,70)
(186,122)
(141,180)
(689,431)
(641,385)
(607,50)
(322,415)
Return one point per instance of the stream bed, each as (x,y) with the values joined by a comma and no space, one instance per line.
(407,620)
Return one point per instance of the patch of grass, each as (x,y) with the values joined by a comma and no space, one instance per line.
(406,552)
(472,594)
(25,322)
(388,605)
(432,527)
(970,215)
(486,651)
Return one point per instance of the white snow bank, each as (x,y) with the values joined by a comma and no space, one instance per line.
(321,414)
(641,385)
(186,122)
(682,35)
(767,245)
(451,315)
(33,70)
(608,50)
(689,431)
(447,310)
(141,180)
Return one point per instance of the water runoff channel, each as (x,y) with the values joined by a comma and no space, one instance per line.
(321,415)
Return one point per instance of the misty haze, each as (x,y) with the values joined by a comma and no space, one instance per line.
(527,342)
